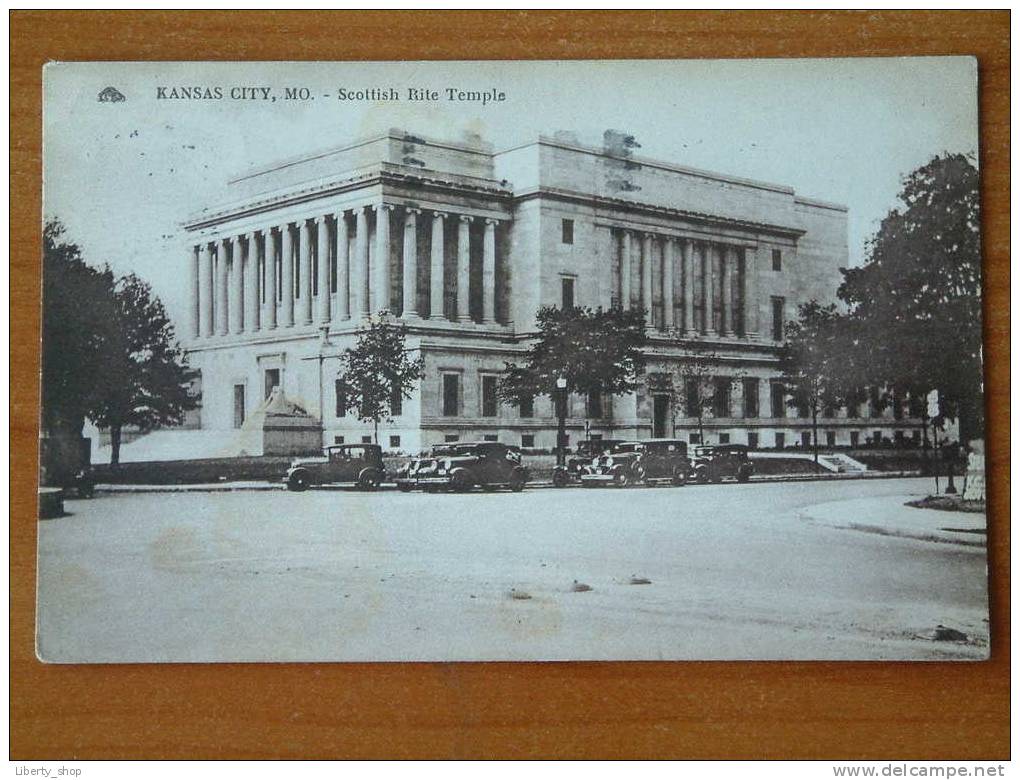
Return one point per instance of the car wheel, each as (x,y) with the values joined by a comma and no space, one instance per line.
(743,476)
(517,483)
(560,478)
(460,481)
(297,481)
(640,474)
(621,478)
(679,476)
(86,489)
(369,480)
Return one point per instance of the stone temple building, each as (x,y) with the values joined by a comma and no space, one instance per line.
(463,244)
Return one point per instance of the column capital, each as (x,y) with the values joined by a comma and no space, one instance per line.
(466,218)
(492,220)
(439,214)
(411,211)
(383,206)
(250,235)
(319,219)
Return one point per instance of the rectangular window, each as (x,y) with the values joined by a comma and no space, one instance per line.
(489,403)
(567,231)
(878,437)
(691,391)
(394,442)
(805,439)
(341,398)
(780,440)
(915,406)
(272,380)
(830,438)
(777,259)
(750,398)
(853,409)
(695,438)
(451,395)
(490,437)
(778,393)
(338,439)
(724,438)
(752,440)
(916,436)
(778,318)
(855,438)
(396,402)
(238,406)
(527,407)
(594,404)
(366,439)
(829,411)
(450,438)
(527,440)
(567,292)
(721,397)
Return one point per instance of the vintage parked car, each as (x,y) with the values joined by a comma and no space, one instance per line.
(464,465)
(587,450)
(713,463)
(416,469)
(651,461)
(357,464)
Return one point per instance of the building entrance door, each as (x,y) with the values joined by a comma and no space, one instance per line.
(660,416)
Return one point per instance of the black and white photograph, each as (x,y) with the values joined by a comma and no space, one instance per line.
(512,361)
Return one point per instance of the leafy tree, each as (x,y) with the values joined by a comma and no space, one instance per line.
(810,362)
(145,379)
(378,371)
(594,350)
(77,323)
(694,383)
(916,303)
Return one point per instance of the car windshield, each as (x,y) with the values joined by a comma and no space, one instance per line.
(629,447)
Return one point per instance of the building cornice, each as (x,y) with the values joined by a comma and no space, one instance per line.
(640,208)
(382,174)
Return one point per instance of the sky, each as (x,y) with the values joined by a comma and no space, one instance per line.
(122,176)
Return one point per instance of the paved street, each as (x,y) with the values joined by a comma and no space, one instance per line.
(715,572)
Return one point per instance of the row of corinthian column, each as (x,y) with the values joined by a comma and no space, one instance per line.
(694,264)
(234,280)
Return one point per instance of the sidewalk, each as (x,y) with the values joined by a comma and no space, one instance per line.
(889,516)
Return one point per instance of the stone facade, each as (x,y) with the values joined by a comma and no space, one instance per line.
(464,244)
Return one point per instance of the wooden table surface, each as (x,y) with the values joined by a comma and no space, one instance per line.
(688,710)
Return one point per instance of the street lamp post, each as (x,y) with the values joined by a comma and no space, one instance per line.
(561,423)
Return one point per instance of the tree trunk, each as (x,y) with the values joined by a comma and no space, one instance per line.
(375,430)
(814,430)
(114,445)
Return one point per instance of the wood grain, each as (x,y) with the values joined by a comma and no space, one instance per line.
(692,710)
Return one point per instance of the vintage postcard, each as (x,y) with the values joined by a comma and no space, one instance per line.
(472,361)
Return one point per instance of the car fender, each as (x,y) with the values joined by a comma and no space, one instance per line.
(369,470)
